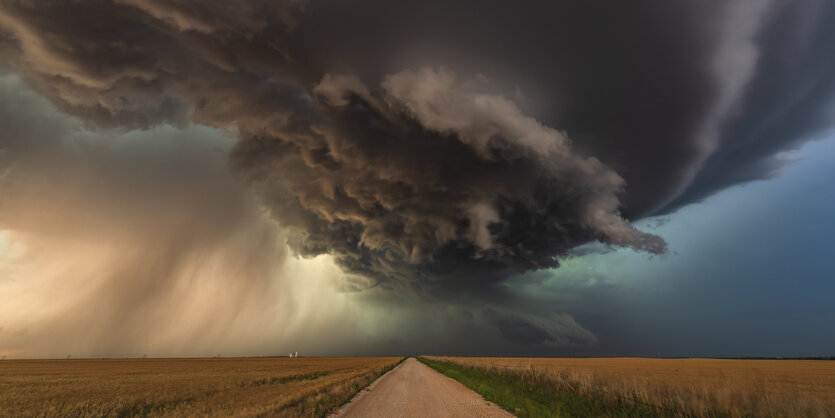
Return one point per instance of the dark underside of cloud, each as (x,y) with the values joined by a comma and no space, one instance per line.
(433,142)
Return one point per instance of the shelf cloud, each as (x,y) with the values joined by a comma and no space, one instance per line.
(428,158)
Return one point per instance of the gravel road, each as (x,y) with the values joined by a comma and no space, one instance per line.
(412,389)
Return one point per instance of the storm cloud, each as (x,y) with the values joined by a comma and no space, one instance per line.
(423,144)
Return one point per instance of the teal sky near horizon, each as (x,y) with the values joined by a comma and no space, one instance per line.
(751,273)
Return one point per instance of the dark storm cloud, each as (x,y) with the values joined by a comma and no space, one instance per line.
(421,141)
(789,101)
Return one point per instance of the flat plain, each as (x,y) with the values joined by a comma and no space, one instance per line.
(184,387)
(700,387)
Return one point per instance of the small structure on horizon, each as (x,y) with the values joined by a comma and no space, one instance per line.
(294,354)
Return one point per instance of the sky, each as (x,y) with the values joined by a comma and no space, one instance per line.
(192,178)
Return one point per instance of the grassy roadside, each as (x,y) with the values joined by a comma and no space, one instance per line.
(318,404)
(522,394)
(341,396)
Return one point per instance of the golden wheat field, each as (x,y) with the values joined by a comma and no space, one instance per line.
(697,386)
(184,387)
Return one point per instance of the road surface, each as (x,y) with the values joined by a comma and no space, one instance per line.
(412,389)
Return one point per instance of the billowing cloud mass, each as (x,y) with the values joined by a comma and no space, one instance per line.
(143,243)
(427,150)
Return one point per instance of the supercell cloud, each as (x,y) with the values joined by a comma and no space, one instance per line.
(420,175)
(448,145)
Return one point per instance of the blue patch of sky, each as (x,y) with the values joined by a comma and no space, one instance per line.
(751,273)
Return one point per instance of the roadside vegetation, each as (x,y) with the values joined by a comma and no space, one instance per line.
(297,387)
(527,394)
(635,387)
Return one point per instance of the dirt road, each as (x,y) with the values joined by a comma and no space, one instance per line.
(414,390)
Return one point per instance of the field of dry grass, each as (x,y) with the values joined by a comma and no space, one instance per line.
(693,386)
(184,387)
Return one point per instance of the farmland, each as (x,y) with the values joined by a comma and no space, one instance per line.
(642,386)
(180,387)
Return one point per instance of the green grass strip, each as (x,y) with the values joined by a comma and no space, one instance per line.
(520,395)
